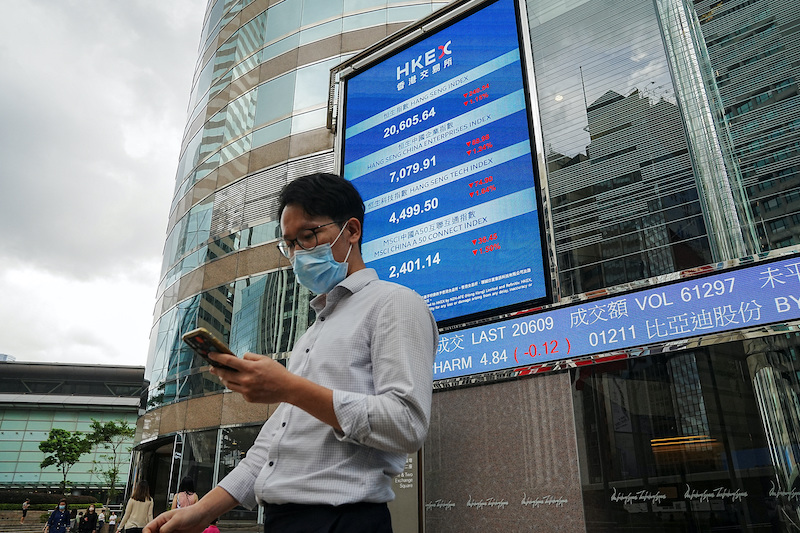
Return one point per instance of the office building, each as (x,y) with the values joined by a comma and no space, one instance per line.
(667,143)
(38,397)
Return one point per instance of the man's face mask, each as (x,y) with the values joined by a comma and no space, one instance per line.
(317,270)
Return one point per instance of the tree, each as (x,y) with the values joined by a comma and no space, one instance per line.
(63,449)
(112,436)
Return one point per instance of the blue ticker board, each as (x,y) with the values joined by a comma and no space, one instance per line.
(762,294)
(437,141)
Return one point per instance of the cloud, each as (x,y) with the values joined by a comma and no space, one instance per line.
(95,106)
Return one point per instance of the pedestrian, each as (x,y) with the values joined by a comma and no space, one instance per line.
(139,509)
(25,505)
(186,495)
(58,521)
(101,520)
(88,524)
(112,522)
(212,528)
(355,398)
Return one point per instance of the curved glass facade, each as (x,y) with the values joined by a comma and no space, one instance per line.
(256,118)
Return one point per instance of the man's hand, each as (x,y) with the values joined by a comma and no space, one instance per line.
(195,518)
(186,520)
(259,379)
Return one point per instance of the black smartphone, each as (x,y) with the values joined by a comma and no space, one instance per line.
(202,342)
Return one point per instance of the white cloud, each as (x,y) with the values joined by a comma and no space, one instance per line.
(92,125)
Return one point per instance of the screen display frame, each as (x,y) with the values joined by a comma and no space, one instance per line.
(540,291)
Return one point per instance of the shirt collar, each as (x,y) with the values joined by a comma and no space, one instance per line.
(351,284)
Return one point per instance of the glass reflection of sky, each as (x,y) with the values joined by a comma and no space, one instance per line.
(583,49)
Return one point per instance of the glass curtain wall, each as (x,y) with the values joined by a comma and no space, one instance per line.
(752,50)
(670,130)
(21,432)
(235,108)
(624,193)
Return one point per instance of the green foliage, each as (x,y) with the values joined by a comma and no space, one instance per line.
(63,449)
(112,436)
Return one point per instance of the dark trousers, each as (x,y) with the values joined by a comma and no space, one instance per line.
(348,518)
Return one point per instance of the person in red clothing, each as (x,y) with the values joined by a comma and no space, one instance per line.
(212,528)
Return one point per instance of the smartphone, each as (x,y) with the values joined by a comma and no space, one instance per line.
(203,342)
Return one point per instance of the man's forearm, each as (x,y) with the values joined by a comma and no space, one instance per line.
(216,503)
(314,399)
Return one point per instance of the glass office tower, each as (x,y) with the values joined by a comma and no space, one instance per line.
(256,119)
(669,134)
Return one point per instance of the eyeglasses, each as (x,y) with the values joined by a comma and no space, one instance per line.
(306,239)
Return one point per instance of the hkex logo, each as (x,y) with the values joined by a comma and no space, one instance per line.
(423,60)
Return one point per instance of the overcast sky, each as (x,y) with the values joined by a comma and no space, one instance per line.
(93,106)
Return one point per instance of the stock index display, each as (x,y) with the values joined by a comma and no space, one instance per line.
(437,141)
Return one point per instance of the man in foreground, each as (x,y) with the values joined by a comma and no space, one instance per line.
(356,397)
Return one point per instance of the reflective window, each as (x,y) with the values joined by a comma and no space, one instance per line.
(274,99)
(282,19)
(200,90)
(21,432)
(311,87)
(317,10)
(351,6)
(197,460)
(270,312)
(702,440)
(625,204)
(321,31)
(190,232)
(234,444)
(364,20)
(309,121)
(264,314)
(272,133)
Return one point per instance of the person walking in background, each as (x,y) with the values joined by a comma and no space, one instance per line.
(212,528)
(112,522)
(139,509)
(88,524)
(101,520)
(25,505)
(58,521)
(186,495)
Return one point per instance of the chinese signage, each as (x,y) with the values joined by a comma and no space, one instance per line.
(734,299)
(437,141)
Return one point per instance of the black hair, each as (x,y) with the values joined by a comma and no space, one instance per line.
(187,485)
(323,195)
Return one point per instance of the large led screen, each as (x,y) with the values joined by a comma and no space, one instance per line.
(745,298)
(437,141)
